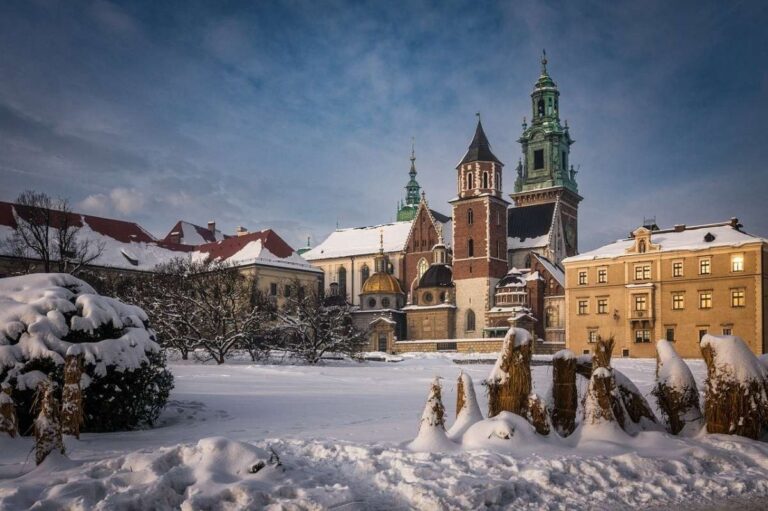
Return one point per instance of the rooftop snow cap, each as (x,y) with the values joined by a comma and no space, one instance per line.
(480,148)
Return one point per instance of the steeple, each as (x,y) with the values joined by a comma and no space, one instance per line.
(479,149)
(407,210)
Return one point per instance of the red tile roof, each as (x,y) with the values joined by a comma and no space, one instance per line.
(204,232)
(223,250)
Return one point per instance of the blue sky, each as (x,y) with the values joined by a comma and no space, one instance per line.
(298,115)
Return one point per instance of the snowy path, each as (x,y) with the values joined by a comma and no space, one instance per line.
(339,430)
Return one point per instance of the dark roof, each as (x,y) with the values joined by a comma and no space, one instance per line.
(204,232)
(440,217)
(530,221)
(224,249)
(512,277)
(480,148)
(438,275)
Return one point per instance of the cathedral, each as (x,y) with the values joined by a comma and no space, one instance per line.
(458,282)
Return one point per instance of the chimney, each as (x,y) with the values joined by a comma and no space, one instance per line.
(241,231)
(679,227)
(212,227)
(175,237)
(735,223)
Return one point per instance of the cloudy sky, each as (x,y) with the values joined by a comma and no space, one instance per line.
(299,115)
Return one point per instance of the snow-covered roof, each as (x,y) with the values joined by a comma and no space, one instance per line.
(688,239)
(128,246)
(556,271)
(191,234)
(361,241)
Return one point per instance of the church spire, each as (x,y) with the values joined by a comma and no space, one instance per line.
(407,211)
(479,149)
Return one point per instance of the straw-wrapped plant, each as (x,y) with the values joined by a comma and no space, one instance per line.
(509,383)
(735,400)
(602,402)
(432,434)
(536,413)
(9,422)
(564,392)
(467,409)
(47,423)
(72,395)
(675,391)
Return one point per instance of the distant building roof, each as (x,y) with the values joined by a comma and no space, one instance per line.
(553,269)
(361,241)
(261,247)
(437,275)
(191,234)
(529,226)
(689,238)
(479,149)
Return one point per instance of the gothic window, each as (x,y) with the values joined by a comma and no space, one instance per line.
(485,180)
(470,216)
(497,184)
(538,159)
(470,322)
(365,272)
(470,248)
(421,268)
(470,184)
(342,281)
(540,107)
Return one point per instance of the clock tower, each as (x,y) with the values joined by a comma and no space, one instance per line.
(544,174)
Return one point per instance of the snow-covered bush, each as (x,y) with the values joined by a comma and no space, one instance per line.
(735,402)
(45,317)
(467,409)
(675,391)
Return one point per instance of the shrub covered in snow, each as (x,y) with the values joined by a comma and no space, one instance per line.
(45,317)
(735,401)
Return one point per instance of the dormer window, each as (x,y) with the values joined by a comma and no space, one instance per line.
(709,237)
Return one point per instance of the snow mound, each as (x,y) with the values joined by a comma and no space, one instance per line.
(734,358)
(506,432)
(470,412)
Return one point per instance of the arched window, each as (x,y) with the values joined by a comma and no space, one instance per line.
(470,321)
(470,248)
(470,216)
(470,184)
(485,180)
(549,106)
(365,272)
(540,107)
(498,181)
(421,268)
(342,281)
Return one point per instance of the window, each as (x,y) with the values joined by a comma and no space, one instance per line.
(642,335)
(470,322)
(385,303)
(583,277)
(705,299)
(273,289)
(343,281)
(705,266)
(641,302)
(428,297)
(738,297)
(737,262)
(287,291)
(446,346)
(302,292)
(470,184)
(592,336)
(442,296)
(670,334)
(485,179)
(365,272)
(583,307)
(421,268)
(371,303)
(470,216)
(678,301)
(602,305)
(470,248)
(498,217)
(538,159)
(602,275)
(540,107)
(727,331)
(498,181)
(702,333)
(677,269)
(643,272)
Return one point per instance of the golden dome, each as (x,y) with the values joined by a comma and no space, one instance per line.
(382,282)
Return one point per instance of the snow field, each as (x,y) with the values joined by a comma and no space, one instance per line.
(341,433)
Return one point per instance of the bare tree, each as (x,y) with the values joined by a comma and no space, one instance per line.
(313,329)
(47,231)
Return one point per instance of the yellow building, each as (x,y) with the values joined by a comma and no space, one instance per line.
(675,284)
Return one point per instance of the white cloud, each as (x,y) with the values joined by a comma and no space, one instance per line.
(126,200)
(96,204)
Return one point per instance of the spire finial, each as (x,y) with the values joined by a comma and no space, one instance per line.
(413,148)
(440,233)
(543,61)
(478,116)
(381,241)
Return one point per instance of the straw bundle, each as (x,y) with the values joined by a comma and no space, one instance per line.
(9,422)
(537,414)
(564,392)
(47,424)
(72,396)
(676,393)
(510,381)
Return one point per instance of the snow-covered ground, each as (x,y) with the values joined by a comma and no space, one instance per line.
(340,431)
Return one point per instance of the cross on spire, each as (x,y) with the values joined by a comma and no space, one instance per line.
(543,61)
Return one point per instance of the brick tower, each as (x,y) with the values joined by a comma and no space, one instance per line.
(479,235)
